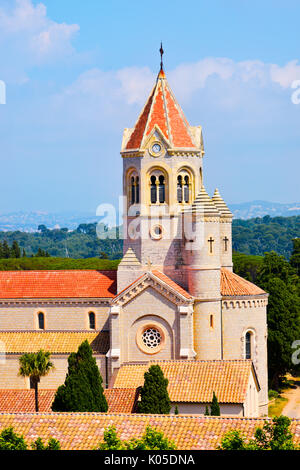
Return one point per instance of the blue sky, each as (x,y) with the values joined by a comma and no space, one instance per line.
(78,72)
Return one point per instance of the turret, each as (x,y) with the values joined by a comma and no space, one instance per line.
(202,234)
(225,231)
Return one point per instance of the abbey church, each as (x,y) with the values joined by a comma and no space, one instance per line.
(174,299)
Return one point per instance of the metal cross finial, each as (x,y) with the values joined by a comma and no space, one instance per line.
(161,56)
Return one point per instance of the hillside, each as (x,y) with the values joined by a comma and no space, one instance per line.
(251,237)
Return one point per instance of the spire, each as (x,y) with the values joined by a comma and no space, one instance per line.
(220,204)
(163,112)
(161,72)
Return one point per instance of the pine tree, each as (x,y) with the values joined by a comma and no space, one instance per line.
(15,250)
(154,394)
(5,249)
(82,390)
(215,408)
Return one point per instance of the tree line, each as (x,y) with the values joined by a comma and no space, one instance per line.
(252,237)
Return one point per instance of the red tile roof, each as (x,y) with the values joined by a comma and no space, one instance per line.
(232,284)
(84,431)
(23,401)
(119,400)
(56,342)
(162,109)
(163,277)
(57,284)
(194,381)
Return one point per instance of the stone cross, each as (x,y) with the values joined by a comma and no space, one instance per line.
(210,241)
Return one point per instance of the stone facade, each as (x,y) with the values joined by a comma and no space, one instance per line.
(170,302)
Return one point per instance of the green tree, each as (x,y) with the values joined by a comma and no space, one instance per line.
(176,412)
(215,408)
(295,257)
(35,366)
(5,249)
(152,439)
(53,444)
(206,413)
(82,390)
(154,393)
(9,440)
(15,250)
(274,435)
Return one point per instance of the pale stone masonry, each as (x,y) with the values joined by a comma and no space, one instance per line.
(174,297)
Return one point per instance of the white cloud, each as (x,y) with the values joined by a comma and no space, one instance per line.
(287,74)
(28,33)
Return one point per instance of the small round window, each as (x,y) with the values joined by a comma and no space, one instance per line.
(151,338)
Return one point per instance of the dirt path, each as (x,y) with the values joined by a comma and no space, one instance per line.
(292,408)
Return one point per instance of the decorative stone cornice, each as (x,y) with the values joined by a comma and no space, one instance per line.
(149,280)
(249,302)
(55,302)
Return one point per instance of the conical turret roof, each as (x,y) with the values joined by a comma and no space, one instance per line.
(129,259)
(203,204)
(220,204)
(163,111)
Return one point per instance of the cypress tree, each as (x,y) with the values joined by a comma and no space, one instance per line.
(82,390)
(215,408)
(5,250)
(15,250)
(176,412)
(154,394)
(206,411)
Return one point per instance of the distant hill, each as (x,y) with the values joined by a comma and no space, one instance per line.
(29,221)
(249,210)
(252,237)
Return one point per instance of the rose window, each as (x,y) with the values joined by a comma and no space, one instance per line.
(151,338)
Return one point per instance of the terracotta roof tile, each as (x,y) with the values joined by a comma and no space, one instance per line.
(163,277)
(23,401)
(232,284)
(228,379)
(162,109)
(58,284)
(85,430)
(59,342)
(120,400)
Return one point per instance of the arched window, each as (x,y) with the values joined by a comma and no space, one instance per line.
(137,190)
(132,190)
(179,189)
(158,182)
(92,321)
(153,192)
(186,190)
(133,185)
(248,345)
(184,186)
(161,189)
(41,320)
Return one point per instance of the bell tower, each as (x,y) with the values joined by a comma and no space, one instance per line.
(162,174)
